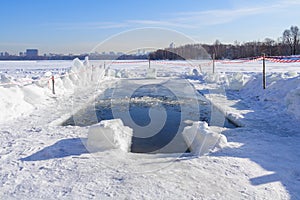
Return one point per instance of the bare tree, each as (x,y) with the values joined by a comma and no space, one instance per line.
(288,44)
(291,38)
(217,52)
(295,38)
(287,39)
(269,44)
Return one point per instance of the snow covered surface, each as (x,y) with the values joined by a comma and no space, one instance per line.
(42,160)
(109,134)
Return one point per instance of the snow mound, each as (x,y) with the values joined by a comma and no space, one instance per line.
(292,100)
(44,81)
(110,72)
(121,73)
(5,79)
(200,139)
(211,78)
(282,92)
(12,103)
(109,134)
(232,81)
(151,73)
(21,96)
(237,81)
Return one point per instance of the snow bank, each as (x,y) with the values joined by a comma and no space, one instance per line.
(151,73)
(5,80)
(19,97)
(200,139)
(16,100)
(122,73)
(292,100)
(12,103)
(109,134)
(211,78)
(110,72)
(282,92)
(231,81)
(236,81)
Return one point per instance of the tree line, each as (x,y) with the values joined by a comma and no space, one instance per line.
(287,44)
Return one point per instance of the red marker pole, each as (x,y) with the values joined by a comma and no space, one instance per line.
(53,91)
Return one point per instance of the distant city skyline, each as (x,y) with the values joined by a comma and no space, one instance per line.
(73,26)
(25,53)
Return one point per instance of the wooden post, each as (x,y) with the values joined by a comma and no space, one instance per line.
(53,90)
(92,73)
(214,57)
(200,68)
(264,71)
(149,61)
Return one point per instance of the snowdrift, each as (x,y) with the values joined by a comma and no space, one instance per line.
(282,92)
(19,97)
(231,81)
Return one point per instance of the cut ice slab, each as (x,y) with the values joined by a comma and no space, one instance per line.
(109,134)
(200,139)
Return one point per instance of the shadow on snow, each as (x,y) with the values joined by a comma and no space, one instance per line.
(272,141)
(61,149)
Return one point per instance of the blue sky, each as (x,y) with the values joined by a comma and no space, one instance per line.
(76,26)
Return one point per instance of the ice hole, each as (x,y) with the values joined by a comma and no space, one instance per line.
(139,113)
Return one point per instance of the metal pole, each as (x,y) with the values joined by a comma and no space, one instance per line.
(214,57)
(53,91)
(264,71)
(149,61)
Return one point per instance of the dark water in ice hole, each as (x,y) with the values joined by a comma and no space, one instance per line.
(168,139)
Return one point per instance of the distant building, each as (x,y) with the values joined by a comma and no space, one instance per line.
(172,45)
(31,52)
